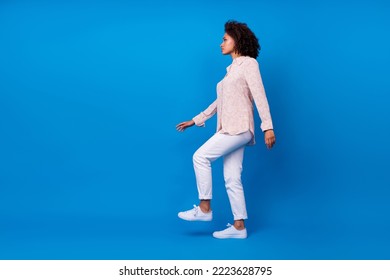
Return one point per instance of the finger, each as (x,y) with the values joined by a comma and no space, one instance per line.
(180,124)
(272,142)
(267,141)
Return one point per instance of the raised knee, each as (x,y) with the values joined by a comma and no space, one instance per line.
(199,158)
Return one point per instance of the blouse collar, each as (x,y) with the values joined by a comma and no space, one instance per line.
(238,60)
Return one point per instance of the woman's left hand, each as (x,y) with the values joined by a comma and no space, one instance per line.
(269,137)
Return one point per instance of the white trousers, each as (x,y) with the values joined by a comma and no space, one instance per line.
(231,147)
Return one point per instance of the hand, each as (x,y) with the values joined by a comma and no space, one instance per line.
(269,138)
(182,126)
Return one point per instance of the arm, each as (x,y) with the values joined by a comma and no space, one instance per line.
(206,114)
(200,119)
(255,84)
(256,87)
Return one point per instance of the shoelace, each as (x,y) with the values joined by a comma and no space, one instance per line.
(196,210)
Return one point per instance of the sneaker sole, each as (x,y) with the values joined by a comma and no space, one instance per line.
(230,237)
(195,220)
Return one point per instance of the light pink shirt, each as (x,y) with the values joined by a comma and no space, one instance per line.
(236,92)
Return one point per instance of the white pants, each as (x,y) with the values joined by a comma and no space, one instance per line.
(231,147)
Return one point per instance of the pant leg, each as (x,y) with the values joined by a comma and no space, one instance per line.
(218,145)
(232,169)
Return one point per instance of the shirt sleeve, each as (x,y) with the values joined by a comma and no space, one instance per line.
(206,114)
(255,84)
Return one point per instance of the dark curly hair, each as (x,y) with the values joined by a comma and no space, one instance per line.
(246,42)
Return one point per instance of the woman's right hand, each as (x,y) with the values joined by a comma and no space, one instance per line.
(182,126)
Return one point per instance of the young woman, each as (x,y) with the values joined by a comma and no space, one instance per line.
(236,93)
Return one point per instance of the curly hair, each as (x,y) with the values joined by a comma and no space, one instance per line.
(246,42)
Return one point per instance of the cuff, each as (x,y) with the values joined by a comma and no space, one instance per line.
(198,121)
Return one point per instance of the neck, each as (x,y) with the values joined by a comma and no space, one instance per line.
(235,55)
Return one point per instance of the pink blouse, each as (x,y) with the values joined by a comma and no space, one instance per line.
(236,92)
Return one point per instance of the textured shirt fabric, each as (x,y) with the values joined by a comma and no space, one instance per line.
(241,86)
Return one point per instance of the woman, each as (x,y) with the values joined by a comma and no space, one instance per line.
(236,93)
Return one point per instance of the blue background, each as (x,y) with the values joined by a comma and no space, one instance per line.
(91,166)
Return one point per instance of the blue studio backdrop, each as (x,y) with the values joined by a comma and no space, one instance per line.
(91,166)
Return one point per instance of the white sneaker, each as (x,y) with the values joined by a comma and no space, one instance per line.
(230,232)
(195,214)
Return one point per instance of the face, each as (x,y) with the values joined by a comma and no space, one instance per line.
(227,45)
